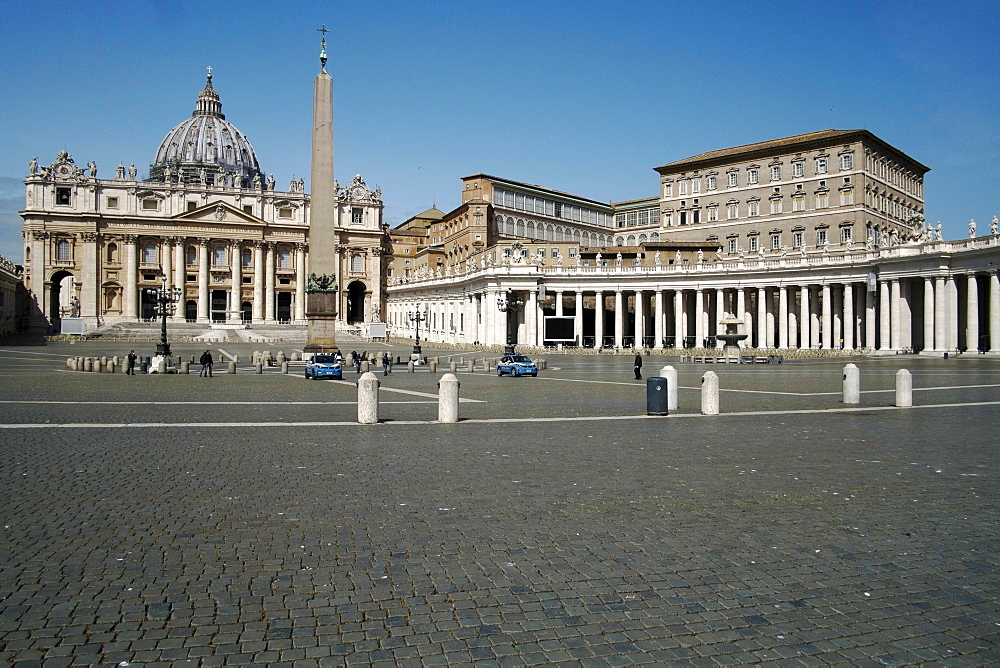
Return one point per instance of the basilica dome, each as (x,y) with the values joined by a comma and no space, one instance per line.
(206,148)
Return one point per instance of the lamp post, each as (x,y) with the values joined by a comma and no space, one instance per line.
(417,317)
(166,305)
(510,304)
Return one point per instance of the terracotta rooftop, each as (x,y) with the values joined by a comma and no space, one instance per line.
(718,154)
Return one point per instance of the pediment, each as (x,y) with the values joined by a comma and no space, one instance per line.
(219,212)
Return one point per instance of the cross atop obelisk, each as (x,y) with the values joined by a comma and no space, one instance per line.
(322,291)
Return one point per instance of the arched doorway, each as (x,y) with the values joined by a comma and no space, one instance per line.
(61,295)
(356,302)
(247,309)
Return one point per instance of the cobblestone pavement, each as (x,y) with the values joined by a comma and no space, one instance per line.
(864,536)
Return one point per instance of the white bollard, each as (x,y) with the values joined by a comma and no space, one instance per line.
(110,367)
(258,368)
(409,367)
(472,365)
(161,366)
(88,364)
(453,367)
(904,389)
(185,368)
(710,393)
(368,398)
(852,384)
(284,367)
(670,373)
(433,366)
(71,363)
(448,398)
(232,367)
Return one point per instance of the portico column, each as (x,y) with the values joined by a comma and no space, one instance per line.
(180,277)
(827,298)
(599,319)
(203,298)
(720,310)
(743,314)
(559,303)
(804,324)
(906,314)
(619,320)
(640,316)
(578,318)
(849,324)
(885,316)
(300,282)
(235,313)
(869,318)
(929,314)
(837,309)
(951,302)
(269,282)
(531,317)
(678,319)
(940,317)
(782,317)
(699,318)
(815,308)
(90,283)
(166,263)
(131,303)
(894,329)
(972,315)
(258,282)
(658,319)
(761,318)
(994,312)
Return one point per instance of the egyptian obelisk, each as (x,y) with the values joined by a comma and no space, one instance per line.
(322,291)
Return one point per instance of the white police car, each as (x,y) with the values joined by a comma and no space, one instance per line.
(516,365)
(325,365)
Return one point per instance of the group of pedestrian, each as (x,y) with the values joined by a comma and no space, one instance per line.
(206,364)
(384,358)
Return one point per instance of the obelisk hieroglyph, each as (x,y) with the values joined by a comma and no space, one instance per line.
(322,291)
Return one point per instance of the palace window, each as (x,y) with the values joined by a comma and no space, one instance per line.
(112,202)
(357,263)
(775,241)
(847,161)
(713,214)
(668,189)
(219,256)
(820,237)
(732,245)
(754,208)
(64,196)
(284,259)
(732,179)
(798,169)
(821,166)
(63,251)
(846,235)
(822,201)
(150,204)
(149,254)
(846,197)
(798,204)
(776,172)
(682,188)
(752,243)
(247,258)
(668,218)
(695,185)
(753,176)
(775,206)
(797,239)
(732,210)
(713,182)
(357,215)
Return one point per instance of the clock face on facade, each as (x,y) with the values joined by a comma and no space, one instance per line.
(63,170)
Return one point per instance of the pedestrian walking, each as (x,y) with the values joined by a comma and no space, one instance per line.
(637,364)
(385,364)
(206,364)
(132,357)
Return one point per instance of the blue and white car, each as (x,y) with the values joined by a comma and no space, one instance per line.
(325,365)
(516,365)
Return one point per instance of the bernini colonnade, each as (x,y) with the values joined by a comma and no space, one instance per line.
(933,298)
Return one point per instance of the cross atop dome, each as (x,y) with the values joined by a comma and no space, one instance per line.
(322,47)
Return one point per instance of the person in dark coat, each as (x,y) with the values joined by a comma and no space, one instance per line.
(206,364)
(132,357)
(637,364)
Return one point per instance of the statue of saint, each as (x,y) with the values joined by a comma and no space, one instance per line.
(120,172)
(972,229)
(994,226)
(92,166)
(701,256)
(656,258)
(33,166)
(270,182)
(132,172)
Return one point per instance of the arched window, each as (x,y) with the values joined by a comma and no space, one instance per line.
(576,236)
(642,238)
(62,251)
(510,226)
(520,227)
(192,256)
(550,233)
(149,254)
(499,224)
(219,256)
(630,240)
(357,263)
(620,241)
(284,259)
(654,237)
(531,229)
(112,253)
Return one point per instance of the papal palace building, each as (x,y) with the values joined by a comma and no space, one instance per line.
(812,241)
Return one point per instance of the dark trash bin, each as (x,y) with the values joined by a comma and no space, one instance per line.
(656,396)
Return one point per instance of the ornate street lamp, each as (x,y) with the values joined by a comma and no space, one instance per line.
(165,300)
(417,317)
(510,304)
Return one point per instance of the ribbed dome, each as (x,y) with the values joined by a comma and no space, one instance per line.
(206,144)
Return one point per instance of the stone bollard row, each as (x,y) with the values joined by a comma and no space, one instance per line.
(852,384)
(710,393)
(110,366)
(409,367)
(453,367)
(284,367)
(232,368)
(471,365)
(904,389)
(448,398)
(433,366)
(258,368)
(368,398)
(185,368)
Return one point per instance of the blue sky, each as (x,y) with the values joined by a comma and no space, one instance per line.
(585,97)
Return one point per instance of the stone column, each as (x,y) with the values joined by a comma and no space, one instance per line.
(559,303)
(837,310)
(972,315)
(951,304)
(531,317)
(869,318)
(578,318)
(761,318)
(300,283)
(895,341)
(180,277)
(720,310)
(130,305)
(678,319)
(827,305)
(258,281)
(815,308)
(906,314)
(745,315)
(165,260)
(658,318)
(804,323)
(940,315)
(639,332)
(994,279)
(929,326)
(598,319)
(235,313)
(619,320)
(204,306)
(269,282)
(90,282)
(884,316)
(849,324)
(782,317)
(699,318)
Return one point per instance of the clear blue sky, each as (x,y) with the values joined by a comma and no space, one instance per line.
(585,97)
